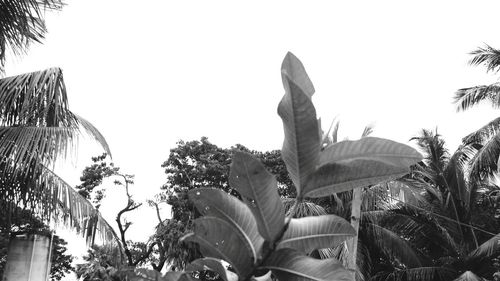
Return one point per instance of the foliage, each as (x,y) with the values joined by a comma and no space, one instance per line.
(23,23)
(251,232)
(100,264)
(136,253)
(26,222)
(485,142)
(450,226)
(36,128)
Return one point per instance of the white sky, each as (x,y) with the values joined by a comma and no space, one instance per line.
(149,73)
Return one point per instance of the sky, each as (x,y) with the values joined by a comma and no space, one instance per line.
(150,73)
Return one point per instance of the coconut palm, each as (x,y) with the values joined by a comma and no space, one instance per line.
(486,140)
(442,221)
(22,23)
(36,128)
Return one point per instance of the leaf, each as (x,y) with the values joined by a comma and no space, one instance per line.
(214,265)
(293,69)
(349,164)
(311,233)
(302,143)
(288,264)
(487,249)
(217,203)
(218,239)
(259,189)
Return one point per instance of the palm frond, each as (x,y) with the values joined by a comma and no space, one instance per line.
(488,56)
(455,177)
(466,98)
(435,153)
(468,276)
(303,209)
(426,273)
(484,133)
(35,99)
(22,23)
(48,196)
(363,262)
(393,245)
(22,146)
(485,161)
(487,249)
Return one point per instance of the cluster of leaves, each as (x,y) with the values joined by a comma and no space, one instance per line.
(253,234)
(22,23)
(24,221)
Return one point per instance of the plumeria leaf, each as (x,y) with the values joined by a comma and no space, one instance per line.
(288,264)
(302,142)
(316,232)
(349,164)
(258,188)
(217,203)
(219,239)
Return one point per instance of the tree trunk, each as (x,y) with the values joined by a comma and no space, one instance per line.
(357,198)
(28,258)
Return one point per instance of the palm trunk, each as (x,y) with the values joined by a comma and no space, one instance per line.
(357,196)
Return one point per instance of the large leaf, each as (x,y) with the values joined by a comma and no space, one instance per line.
(349,164)
(487,249)
(302,142)
(219,239)
(311,233)
(258,187)
(214,265)
(217,203)
(293,69)
(288,264)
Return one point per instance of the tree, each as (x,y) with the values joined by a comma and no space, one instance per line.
(26,222)
(23,23)
(445,218)
(36,128)
(196,164)
(92,177)
(251,232)
(486,140)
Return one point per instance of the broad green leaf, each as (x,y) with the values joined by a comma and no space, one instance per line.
(214,265)
(349,164)
(311,233)
(302,140)
(488,248)
(290,265)
(293,69)
(258,187)
(219,239)
(217,203)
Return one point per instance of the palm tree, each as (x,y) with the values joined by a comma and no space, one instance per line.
(21,23)
(440,219)
(486,140)
(36,128)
